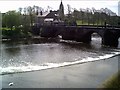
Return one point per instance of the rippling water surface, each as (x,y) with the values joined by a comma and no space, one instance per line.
(38,54)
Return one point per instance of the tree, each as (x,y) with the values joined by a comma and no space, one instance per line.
(25,21)
(48,8)
(20,10)
(29,10)
(11,18)
(76,14)
(93,12)
(69,9)
(88,15)
(82,15)
(37,10)
(25,10)
(3,20)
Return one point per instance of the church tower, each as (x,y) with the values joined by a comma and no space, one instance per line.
(61,11)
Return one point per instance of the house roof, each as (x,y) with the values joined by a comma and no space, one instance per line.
(52,14)
(44,14)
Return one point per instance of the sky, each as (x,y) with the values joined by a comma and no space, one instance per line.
(6,5)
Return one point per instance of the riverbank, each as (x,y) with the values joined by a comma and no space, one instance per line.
(112,82)
(86,75)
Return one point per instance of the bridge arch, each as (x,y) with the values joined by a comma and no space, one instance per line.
(110,38)
(88,36)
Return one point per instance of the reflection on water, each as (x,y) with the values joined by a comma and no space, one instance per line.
(119,43)
(12,51)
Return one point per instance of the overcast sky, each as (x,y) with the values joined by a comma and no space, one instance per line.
(6,5)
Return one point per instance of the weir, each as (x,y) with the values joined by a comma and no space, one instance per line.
(109,34)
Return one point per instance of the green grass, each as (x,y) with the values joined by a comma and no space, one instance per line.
(112,82)
(79,22)
(6,28)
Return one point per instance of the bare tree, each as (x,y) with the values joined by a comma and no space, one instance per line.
(93,17)
(25,10)
(69,9)
(37,10)
(82,15)
(88,14)
(48,8)
(29,11)
(20,10)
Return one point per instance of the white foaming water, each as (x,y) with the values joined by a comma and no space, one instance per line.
(9,70)
(98,39)
(69,41)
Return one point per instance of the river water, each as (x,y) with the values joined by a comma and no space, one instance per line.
(38,54)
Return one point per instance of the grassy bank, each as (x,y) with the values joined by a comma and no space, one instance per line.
(112,82)
(15,33)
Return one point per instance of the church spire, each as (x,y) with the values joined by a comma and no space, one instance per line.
(61,4)
(61,10)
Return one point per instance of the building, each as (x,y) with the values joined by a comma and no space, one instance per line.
(52,17)
(61,11)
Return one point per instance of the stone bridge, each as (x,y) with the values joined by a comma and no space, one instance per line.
(109,35)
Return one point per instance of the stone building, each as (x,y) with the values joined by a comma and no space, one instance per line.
(52,17)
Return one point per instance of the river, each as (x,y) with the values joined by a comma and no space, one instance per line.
(38,54)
